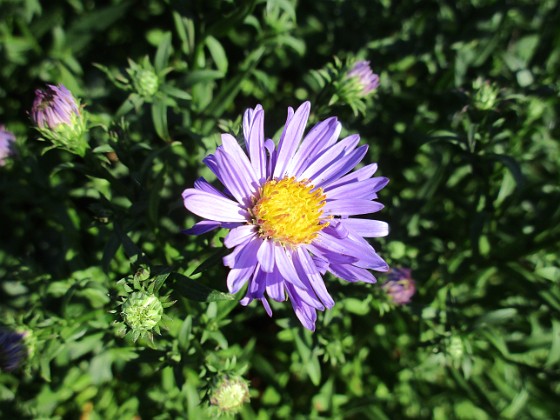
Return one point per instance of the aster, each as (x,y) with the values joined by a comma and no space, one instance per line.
(291,211)
(7,143)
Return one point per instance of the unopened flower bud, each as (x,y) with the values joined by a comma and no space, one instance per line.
(400,286)
(146,82)
(485,94)
(59,118)
(142,311)
(12,350)
(367,80)
(230,394)
(7,145)
(455,348)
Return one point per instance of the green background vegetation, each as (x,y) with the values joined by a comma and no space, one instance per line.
(465,124)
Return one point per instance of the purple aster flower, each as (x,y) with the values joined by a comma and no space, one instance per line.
(400,286)
(368,80)
(7,144)
(12,350)
(290,210)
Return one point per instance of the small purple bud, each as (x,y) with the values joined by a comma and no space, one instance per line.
(400,286)
(7,144)
(368,80)
(59,118)
(12,350)
(54,106)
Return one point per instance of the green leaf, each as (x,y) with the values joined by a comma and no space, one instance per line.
(162,54)
(202,76)
(159,118)
(218,54)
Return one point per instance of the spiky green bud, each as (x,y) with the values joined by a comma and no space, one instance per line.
(146,82)
(142,312)
(485,94)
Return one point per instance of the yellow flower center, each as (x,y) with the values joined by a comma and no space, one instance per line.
(289,211)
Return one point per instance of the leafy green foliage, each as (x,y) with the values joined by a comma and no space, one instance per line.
(464,123)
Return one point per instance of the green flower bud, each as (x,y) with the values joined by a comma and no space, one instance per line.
(455,348)
(485,94)
(229,395)
(146,82)
(142,312)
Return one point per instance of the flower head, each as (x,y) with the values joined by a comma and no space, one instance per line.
(290,210)
(12,350)
(367,80)
(400,286)
(59,118)
(7,143)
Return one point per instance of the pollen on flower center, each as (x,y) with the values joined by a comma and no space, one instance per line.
(289,211)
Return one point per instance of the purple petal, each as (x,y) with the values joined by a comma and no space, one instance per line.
(336,229)
(257,285)
(306,314)
(351,207)
(213,207)
(341,166)
(265,255)
(238,277)
(358,175)
(253,131)
(355,246)
(275,287)
(202,227)
(365,189)
(290,139)
(239,235)
(232,148)
(248,121)
(334,153)
(330,256)
(203,185)
(247,255)
(320,137)
(367,228)
(351,273)
(234,175)
(286,266)
(316,280)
